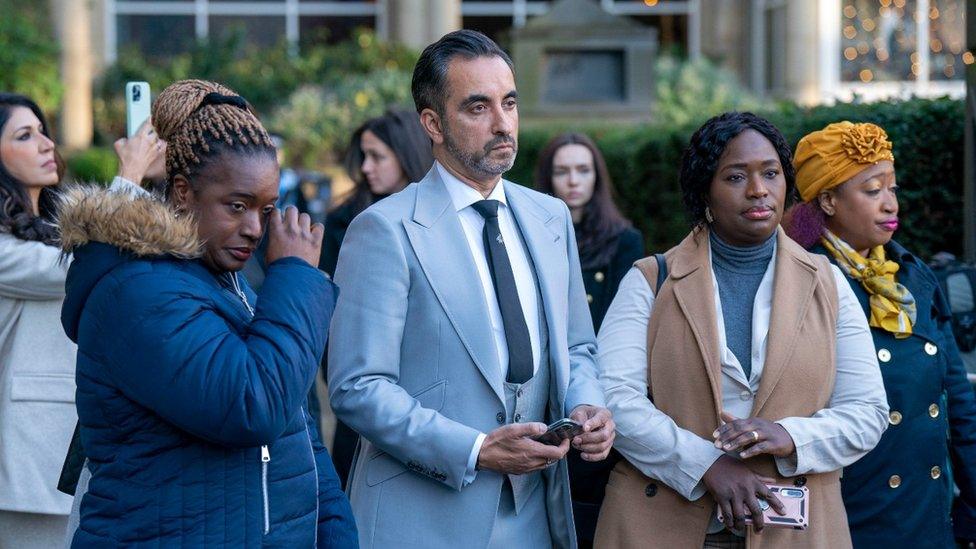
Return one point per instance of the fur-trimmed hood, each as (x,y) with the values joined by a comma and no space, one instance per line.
(142,225)
(107,229)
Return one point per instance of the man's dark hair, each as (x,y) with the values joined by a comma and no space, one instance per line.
(430,74)
(700,159)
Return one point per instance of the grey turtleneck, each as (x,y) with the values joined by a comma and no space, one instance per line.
(738,273)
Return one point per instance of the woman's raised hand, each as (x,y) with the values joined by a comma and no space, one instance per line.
(291,234)
(141,156)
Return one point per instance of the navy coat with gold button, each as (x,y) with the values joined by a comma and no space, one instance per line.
(901,491)
(601,281)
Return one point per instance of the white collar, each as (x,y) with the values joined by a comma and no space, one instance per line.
(463,195)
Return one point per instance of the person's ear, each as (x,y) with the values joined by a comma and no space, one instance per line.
(433,125)
(181,193)
(827,200)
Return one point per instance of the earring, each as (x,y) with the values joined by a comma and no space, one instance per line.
(179,211)
(708,215)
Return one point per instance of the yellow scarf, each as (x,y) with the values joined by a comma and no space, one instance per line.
(892,305)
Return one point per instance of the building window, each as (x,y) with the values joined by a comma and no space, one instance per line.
(677,21)
(258,30)
(169,26)
(157,35)
(903,41)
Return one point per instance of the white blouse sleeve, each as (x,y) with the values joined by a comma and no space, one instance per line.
(647,437)
(857,414)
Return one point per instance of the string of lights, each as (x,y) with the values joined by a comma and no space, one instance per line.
(881,40)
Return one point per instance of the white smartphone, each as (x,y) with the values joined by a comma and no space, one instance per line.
(137,106)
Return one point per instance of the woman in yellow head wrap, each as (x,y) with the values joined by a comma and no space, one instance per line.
(902,490)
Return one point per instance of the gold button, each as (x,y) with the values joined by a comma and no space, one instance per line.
(894,481)
(598,276)
(894,417)
(934,410)
(589,298)
(884,355)
(936,472)
(931,349)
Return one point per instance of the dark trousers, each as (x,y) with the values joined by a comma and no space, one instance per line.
(587,485)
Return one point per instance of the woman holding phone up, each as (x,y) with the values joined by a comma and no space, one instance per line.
(750,365)
(191,389)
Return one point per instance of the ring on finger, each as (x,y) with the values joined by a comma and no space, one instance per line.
(549,462)
(755,436)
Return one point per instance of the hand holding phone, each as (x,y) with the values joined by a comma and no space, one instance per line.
(513,450)
(796,508)
(560,431)
(142,155)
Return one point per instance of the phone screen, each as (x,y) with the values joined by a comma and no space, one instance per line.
(560,431)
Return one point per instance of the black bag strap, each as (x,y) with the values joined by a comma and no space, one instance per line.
(662,271)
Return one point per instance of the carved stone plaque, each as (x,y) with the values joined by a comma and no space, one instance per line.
(584,76)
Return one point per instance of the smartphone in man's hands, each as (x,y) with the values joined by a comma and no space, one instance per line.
(560,431)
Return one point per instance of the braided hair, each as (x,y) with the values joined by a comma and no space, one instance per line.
(201,120)
(16,213)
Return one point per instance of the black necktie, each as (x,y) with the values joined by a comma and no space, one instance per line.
(520,367)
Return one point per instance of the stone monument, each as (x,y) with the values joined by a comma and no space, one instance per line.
(578,62)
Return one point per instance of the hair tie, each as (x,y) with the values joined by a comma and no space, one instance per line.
(214,98)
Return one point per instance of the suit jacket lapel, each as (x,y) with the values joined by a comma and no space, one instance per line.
(436,235)
(548,254)
(793,288)
(691,272)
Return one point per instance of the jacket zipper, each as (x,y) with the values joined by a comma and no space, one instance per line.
(265,460)
(315,465)
(235,285)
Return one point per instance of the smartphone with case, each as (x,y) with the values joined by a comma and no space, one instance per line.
(137,106)
(560,431)
(796,501)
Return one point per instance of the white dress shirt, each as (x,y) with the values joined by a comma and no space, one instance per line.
(463,196)
(829,440)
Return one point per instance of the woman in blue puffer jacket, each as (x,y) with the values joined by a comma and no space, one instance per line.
(191,389)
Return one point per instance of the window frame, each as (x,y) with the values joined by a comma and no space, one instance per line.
(833,88)
(201,10)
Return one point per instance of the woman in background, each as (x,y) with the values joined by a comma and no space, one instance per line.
(572,168)
(37,385)
(385,154)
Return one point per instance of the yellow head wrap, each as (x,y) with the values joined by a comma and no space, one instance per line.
(833,155)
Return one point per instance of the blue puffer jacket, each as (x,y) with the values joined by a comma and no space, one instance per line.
(191,409)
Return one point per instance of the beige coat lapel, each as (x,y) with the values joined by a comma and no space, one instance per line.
(793,288)
(691,272)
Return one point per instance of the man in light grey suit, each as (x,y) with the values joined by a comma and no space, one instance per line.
(462,328)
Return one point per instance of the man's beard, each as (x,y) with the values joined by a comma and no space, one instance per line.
(480,162)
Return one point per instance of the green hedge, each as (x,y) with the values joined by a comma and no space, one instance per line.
(93,165)
(928,145)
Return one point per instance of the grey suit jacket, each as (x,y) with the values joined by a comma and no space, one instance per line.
(413,368)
